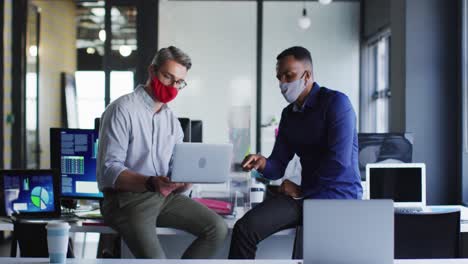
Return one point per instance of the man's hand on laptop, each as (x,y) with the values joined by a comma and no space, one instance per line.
(164,185)
(290,188)
(254,161)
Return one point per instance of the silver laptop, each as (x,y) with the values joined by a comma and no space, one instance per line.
(404,183)
(348,231)
(201,163)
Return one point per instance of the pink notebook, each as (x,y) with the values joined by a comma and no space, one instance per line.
(220,207)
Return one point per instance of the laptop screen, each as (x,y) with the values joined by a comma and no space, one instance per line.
(28,193)
(403,185)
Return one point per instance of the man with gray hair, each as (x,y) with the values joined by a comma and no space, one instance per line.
(137,136)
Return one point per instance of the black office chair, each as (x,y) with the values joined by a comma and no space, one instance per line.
(427,235)
(380,147)
(31,237)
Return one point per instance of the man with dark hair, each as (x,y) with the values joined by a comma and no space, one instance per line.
(137,136)
(319,126)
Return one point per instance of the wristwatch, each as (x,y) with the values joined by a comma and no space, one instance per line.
(149,184)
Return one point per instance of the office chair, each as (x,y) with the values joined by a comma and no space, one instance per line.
(31,237)
(384,147)
(427,235)
(298,243)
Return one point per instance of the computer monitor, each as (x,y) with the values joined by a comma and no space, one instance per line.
(186,128)
(74,152)
(404,183)
(196,127)
(97,125)
(30,192)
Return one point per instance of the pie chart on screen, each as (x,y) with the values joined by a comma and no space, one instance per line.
(40,197)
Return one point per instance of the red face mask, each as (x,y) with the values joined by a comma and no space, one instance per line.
(164,93)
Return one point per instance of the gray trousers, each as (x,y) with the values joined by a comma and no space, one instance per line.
(135,215)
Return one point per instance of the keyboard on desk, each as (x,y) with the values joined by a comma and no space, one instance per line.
(66,218)
(94,214)
(408,210)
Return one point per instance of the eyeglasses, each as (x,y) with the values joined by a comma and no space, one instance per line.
(179,84)
(289,76)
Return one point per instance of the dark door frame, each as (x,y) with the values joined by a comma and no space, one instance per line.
(2,79)
(19,20)
(147,36)
(38,149)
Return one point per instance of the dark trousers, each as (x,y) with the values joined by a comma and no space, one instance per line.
(273,215)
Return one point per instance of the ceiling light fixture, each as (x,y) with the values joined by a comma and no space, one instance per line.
(102,35)
(90,50)
(125,50)
(304,21)
(325,2)
(33,50)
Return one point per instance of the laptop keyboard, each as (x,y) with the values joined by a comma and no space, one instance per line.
(408,210)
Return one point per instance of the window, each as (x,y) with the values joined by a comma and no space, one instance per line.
(90,93)
(121,83)
(381,95)
(375,94)
(31,120)
(93,93)
(31,101)
(90,96)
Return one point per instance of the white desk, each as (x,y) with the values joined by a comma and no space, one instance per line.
(81,227)
(102,229)
(214,261)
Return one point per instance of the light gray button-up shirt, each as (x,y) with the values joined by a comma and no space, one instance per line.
(133,136)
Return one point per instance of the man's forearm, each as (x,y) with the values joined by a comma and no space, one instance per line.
(130,181)
(273,170)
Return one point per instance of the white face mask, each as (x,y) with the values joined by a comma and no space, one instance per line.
(292,90)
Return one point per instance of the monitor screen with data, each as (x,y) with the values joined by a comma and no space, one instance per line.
(74,152)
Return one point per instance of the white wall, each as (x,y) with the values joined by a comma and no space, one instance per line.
(220,37)
(332,39)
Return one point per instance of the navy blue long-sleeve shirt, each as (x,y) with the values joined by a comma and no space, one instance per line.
(323,135)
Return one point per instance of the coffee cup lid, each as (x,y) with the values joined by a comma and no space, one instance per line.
(57,224)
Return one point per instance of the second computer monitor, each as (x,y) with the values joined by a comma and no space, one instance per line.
(185,124)
(74,152)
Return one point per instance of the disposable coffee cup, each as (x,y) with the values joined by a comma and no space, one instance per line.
(57,241)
